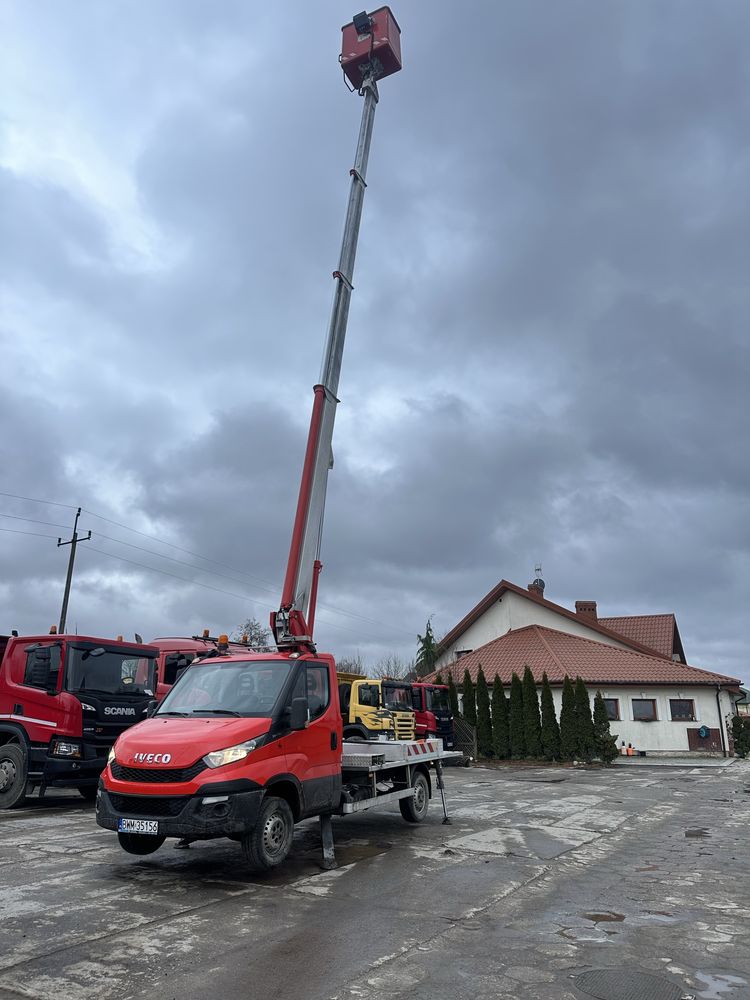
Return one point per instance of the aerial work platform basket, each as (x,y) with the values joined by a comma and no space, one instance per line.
(371,41)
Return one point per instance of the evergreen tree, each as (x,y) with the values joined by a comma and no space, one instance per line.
(484,722)
(439,678)
(427,651)
(584,721)
(741,735)
(453,694)
(532,725)
(515,722)
(568,722)
(500,737)
(550,729)
(469,699)
(605,744)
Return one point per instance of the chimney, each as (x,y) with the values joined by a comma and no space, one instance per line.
(537,587)
(587,609)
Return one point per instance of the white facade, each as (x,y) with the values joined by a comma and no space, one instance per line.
(664,735)
(512,611)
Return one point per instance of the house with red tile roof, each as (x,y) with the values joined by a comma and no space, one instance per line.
(656,701)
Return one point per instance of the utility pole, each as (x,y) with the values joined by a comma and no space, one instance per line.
(72,542)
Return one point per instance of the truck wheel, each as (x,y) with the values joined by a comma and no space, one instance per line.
(13,775)
(268,844)
(88,793)
(138,843)
(414,809)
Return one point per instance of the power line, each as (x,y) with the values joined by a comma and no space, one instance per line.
(52,503)
(264,585)
(32,520)
(218,590)
(37,534)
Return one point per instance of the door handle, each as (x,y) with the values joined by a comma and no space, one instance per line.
(18,709)
(334,741)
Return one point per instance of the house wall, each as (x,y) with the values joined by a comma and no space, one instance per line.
(512,611)
(663,735)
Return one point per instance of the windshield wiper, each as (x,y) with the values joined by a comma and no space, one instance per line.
(183,714)
(215,711)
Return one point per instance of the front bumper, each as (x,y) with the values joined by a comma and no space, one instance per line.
(235,816)
(68,772)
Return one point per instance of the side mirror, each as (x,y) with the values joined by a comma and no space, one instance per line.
(298,713)
(151,708)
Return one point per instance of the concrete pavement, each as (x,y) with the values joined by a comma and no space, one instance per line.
(544,874)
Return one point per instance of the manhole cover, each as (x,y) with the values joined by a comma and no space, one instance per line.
(618,984)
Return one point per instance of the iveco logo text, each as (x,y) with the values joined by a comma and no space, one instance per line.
(152,758)
(110,710)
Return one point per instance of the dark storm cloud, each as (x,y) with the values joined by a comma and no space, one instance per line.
(547,356)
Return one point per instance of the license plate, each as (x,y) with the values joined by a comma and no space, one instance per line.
(149,826)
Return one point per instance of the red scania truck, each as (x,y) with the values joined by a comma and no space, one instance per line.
(246,744)
(64,700)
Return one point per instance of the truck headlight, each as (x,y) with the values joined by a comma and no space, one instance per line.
(64,748)
(217,758)
(111,757)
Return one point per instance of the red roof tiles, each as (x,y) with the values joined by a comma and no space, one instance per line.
(497,592)
(654,631)
(559,653)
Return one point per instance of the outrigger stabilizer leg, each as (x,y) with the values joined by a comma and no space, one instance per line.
(326,837)
(441,786)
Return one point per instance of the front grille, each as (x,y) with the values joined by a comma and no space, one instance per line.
(147,805)
(404,728)
(156,775)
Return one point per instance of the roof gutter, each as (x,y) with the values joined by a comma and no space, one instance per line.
(721,722)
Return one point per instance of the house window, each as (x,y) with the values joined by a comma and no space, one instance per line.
(462,652)
(644,709)
(682,709)
(613,708)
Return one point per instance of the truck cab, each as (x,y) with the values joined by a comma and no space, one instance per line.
(363,714)
(235,733)
(64,700)
(397,698)
(434,717)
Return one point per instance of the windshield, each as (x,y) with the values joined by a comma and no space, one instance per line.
(397,697)
(109,671)
(221,687)
(437,700)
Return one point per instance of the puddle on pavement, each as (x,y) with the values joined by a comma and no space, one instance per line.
(718,986)
(607,917)
(697,833)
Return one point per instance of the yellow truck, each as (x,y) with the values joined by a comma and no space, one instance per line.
(375,709)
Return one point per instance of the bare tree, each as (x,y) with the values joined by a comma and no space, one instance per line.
(258,636)
(352,664)
(392,666)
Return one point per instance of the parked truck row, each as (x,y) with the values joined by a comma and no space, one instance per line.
(65,699)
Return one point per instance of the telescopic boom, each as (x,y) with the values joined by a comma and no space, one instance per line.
(371,50)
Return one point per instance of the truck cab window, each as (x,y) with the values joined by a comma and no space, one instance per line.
(369,695)
(41,672)
(317,689)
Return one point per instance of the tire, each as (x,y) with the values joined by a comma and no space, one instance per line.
(13,775)
(139,843)
(88,793)
(414,809)
(267,846)
(355,735)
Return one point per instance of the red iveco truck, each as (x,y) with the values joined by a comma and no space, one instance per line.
(64,700)
(247,744)
(432,709)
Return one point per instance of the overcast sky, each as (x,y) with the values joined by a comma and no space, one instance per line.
(547,358)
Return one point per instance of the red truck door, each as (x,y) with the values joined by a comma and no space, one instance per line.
(24,681)
(313,754)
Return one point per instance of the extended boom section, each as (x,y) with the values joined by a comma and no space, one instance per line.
(293,623)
